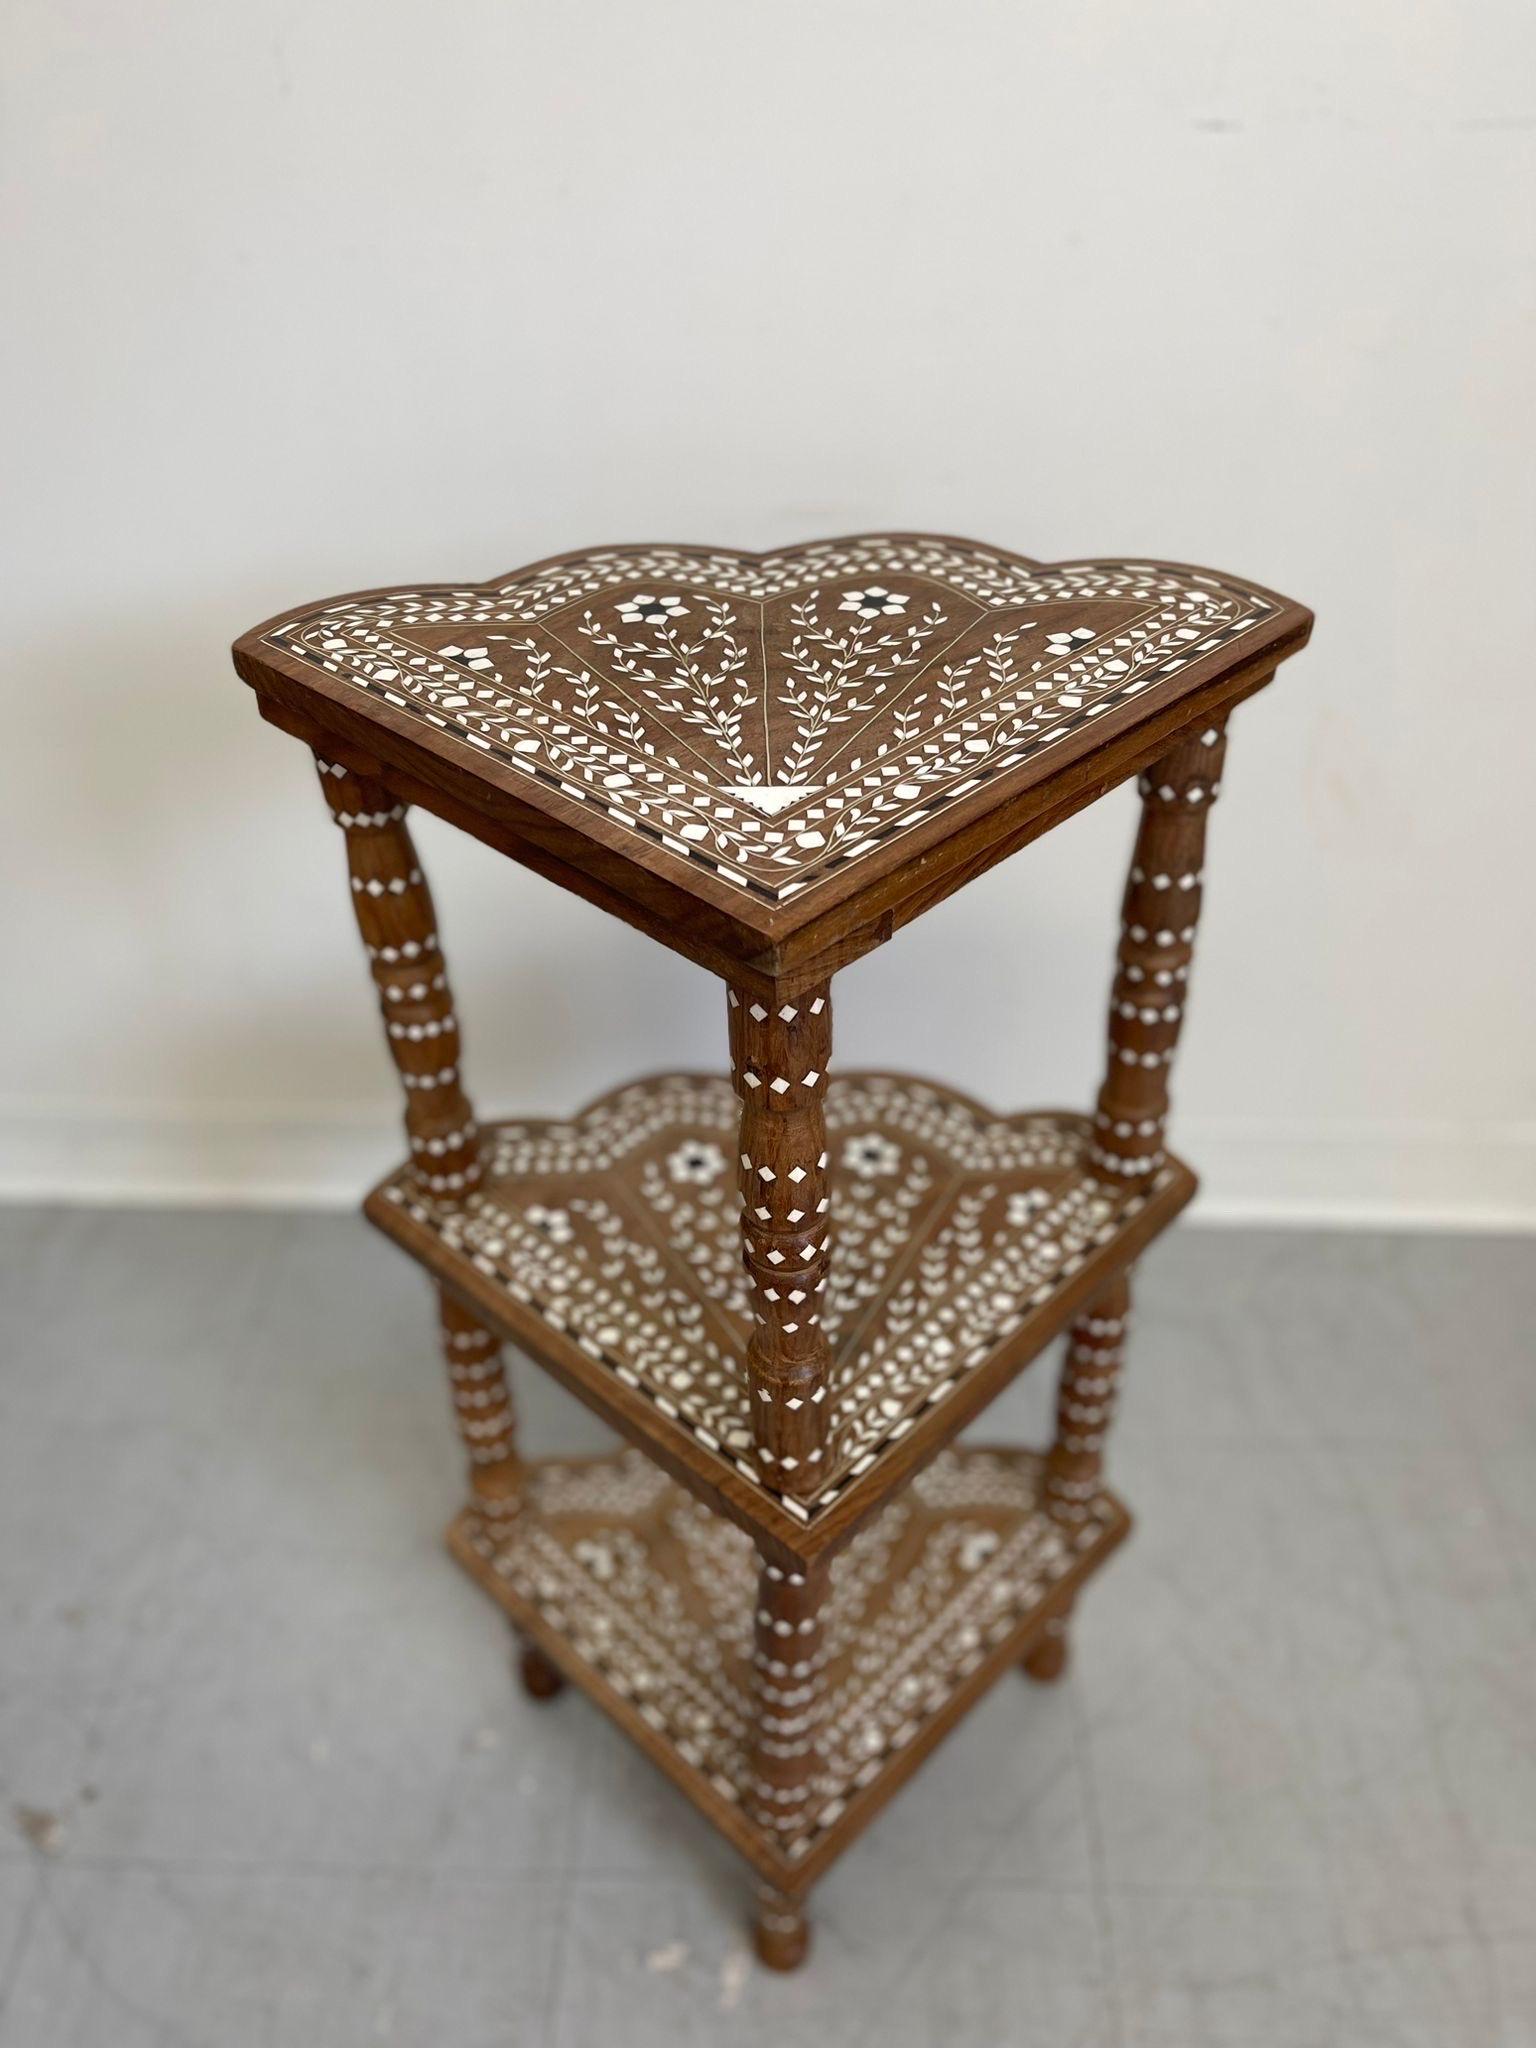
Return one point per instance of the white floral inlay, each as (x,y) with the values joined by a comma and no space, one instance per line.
(870,1154)
(772,718)
(554,1223)
(597,1556)
(875,601)
(1059,645)
(645,610)
(696,1161)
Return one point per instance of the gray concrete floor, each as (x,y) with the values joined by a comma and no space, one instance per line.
(265,1779)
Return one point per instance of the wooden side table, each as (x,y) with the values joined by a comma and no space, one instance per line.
(789,1292)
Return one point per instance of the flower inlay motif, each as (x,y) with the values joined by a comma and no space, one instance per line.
(772,718)
(622,1230)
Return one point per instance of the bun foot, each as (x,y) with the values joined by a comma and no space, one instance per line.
(1046,1658)
(541,1680)
(781,1934)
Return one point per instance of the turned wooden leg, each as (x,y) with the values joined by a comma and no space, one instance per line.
(541,1680)
(781,1932)
(1160,913)
(779,1053)
(482,1404)
(399,928)
(1085,1403)
(398,924)
(1046,1658)
(787,1670)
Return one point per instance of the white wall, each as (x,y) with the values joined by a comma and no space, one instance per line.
(308,294)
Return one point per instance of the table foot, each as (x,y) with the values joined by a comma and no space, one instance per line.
(541,1680)
(781,1933)
(1046,1658)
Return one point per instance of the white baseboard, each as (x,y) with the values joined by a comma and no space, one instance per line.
(1413,1176)
(227,1156)
(1405,1175)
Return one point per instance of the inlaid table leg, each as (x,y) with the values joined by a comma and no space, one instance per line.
(399,928)
(1157,943)
(482,1402)
(1085,1402)
(1046,1658)
(541,1679)
(1074,1465)
(779,1053)
(781,1932)
(788,1670)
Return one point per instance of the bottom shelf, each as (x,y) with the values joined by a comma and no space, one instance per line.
(644,1598)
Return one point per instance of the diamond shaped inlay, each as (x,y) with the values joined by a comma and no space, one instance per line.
(656,1595)
(620,1231)
(772,718)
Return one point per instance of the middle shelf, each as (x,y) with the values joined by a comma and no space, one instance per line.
(608,1248)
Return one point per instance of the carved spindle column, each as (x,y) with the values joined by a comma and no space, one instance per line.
(779,1055)
(781,1933)
(1085,1403)
(1162,908)
(399,928)
(1046,1658)
(482,1404)
(787,1666)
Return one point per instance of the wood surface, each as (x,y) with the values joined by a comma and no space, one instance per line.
(779,1059)
(1096,722)
(1085,1403)
(792,1291)
(398,924)
(482,1407)
(607,1247)
(1159,915)
(634,1592)
(789,1688)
